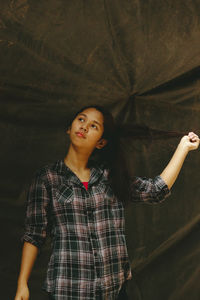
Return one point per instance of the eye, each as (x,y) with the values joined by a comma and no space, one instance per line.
(81,119)
(94,126)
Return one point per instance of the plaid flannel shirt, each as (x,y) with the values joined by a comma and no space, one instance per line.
(89,254)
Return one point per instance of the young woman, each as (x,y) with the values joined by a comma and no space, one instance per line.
(77,198)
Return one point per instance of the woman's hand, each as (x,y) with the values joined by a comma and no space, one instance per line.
(22,292)
(190,141)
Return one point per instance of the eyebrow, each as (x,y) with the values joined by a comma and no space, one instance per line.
(92,121)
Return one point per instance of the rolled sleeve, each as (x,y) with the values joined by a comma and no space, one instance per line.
(36,214)
(149,190)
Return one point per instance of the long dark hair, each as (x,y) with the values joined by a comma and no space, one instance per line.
(111,155)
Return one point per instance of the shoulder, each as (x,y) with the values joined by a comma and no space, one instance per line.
(104,170)
(99,173)
(49,171)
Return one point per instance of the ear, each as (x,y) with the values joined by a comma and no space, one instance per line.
(101,143)
(68,130)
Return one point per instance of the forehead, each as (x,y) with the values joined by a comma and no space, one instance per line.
(93,114)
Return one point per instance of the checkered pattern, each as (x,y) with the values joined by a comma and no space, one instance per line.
(149,190)
(89,257)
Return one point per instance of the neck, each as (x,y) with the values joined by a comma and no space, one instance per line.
(76,159)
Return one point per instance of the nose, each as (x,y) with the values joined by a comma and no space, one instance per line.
(84,127)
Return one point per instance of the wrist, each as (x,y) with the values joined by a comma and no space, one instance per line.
(183,147)
(22,282)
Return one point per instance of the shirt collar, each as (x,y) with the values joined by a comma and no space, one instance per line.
(96,173)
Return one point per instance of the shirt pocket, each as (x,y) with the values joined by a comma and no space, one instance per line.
(64,194)
(63,206)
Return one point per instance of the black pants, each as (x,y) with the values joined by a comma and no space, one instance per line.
(123,294)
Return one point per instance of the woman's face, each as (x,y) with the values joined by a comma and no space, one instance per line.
(87,129)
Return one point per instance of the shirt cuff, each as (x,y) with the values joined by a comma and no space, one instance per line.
(28,238)
(161,184)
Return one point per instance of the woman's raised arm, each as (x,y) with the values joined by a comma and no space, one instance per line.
(187,143)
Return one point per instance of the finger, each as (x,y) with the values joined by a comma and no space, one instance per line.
(192,132)
(192,135)
(195,145)
(193,139)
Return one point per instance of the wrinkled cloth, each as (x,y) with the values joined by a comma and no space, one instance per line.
(89,253)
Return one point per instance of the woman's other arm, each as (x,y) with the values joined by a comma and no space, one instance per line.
(29,254)
(187,143)
(155,190)
(35,233)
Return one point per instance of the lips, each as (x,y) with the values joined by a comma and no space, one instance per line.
(80,134)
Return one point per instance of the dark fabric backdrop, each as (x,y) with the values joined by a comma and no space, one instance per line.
(140,59)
